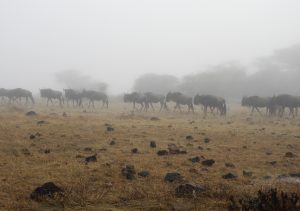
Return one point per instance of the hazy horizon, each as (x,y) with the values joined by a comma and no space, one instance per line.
(117,41)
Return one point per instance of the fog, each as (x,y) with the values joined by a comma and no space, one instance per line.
(229,48)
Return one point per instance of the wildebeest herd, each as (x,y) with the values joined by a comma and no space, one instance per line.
(275,105)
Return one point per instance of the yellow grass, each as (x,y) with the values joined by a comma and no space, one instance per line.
(238,138)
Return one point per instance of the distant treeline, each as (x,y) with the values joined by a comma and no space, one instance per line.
(276,74)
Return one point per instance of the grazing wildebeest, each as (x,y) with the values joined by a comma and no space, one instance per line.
(3,93)
(156,98)
(180,99)
(211,102)
(283,101)
(18,94)
(93,96)
(256,102)
(52,95)
(136,97)
(73,95)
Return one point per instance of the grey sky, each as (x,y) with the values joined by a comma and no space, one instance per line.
(116,41)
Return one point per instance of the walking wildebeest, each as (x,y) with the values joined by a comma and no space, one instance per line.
(211,102)
(136,97)
(73,95)
(93,96)
(180,99)
(283,101)
(18,94)
(156,98)
(256,102)
(52,95)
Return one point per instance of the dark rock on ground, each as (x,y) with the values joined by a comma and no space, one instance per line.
(247,173)
(208,162)
(47,151)
(206,140)
(88,149)
(229,165)
(152,144)
(154,118)
(64,114)
(162,152)
(48,189)
(199,147)
(134,150)
(112,143)
(144,173)
(172,177)
(32,136)
(31,113)
(41,122)
(173,149)
(295,174)
(189,190)
(189,137)
(129,172)
(110,129)
(195,159)
(92,158)
(229,176)
(289,155)
(25,151)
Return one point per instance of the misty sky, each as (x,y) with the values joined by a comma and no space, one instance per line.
(116,41)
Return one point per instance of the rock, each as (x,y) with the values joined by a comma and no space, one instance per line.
(144,173)
(295,174)
(272,162)
(199,147)
(189,137)
(31,113)
(110,129)
(229,165)
(154,119)
(195,159)
(64,114)
(41,122)
(47,151)
(173,149)
(229,176)
(32,136)
(112,143)
(48,189)
(152,144)
(208,162)
(25,151)
(247,173)
(173,176)
(162,152)
(88,149)
(189,190)
(206,140)
(289,155)
(134,150)
(92,158)
(128,171)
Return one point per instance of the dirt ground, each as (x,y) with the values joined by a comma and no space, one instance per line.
(52,147)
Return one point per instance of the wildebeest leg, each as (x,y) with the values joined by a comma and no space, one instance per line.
(258,111)
(252,110)
(179,108)
(205,111)
(51,101)
(292,111)
(93,104)
(152,107)
(133,105)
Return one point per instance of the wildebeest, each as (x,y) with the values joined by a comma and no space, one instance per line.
(283,101)
(180,99)
(52,95)
(3,94)
(156,98)
(256,102)
(211,102)
(136,97)
(73,95)
(18,94)
(93,96)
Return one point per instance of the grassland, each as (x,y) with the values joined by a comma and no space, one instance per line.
(248,142)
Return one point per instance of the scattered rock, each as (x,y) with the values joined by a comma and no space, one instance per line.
(48,189)
(47,151)
(25,151)
(229,176)
(110,129)
(173,149)
(229,165)
(154,118)
(32,136)
(92,158)
(189,137)
(64,114)
(208,162)
(88,149)
(41,122)
(152,144)
(206,140)
(134,150)
(189,190)
(112,143)
(247,173)
(31,113)
(295,174)
(199,147)
(272,162)
(195,159)
(144,173)
(289,155)
(172,177)
(162,152)
(128,171)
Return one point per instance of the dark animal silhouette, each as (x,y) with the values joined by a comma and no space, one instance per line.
(283,101)
(93,96)
(256,102)
(74,96)
(138,98)
(211,102)
(180,99)
(50,95)
(18,94)
(156,98)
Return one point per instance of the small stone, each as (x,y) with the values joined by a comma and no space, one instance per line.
(162,152)
(92,158)
(134,150)
(128,171)
(206,140)
(189,190)
(31,113)
(229,165)
(195,159)
(173,176)
(144,173)
(110,129)
(209,162)
(229,176)
(247,173)
(289,155)
(32,136)
(189,137)
(112,143)
(152,144)
(47,151)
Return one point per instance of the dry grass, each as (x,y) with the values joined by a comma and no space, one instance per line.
(248,142)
